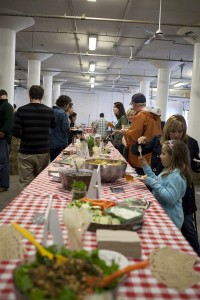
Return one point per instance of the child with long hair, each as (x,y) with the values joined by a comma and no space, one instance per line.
(170,185)
(176,129)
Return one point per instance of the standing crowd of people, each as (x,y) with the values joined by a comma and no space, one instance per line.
(166,154)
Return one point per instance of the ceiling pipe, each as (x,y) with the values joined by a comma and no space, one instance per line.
(101,73)
(107,35)
(103,55)
(77,41)
(84,18)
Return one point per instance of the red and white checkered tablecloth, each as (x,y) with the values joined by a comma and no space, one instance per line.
(157,231)
(88,130)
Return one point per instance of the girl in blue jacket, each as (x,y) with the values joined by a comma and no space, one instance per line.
(170,185)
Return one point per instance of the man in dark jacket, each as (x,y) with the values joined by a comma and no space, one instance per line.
(58,135)
(6,121)
(31,124)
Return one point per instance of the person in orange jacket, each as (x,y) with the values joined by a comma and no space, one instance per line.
(147,123)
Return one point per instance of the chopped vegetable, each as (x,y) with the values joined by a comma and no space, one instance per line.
(44,279)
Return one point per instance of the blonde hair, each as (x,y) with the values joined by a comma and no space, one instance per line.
(130,111)
(179,152)
(174,122)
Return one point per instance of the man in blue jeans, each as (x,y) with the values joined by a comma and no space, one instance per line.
(6,121)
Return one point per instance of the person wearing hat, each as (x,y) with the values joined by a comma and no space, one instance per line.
(147,123)
(6,121)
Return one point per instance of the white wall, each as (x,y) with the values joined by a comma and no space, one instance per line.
(88,106)
(21,96)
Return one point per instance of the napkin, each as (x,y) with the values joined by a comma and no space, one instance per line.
(79,161)
(77,221)
(174,268)
(10,244)
(123,241)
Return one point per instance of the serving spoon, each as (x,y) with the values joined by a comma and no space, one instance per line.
(40,248)
(140,150)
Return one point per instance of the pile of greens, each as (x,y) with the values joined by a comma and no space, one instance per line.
(23,280)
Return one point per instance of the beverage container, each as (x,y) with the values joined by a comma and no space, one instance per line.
(129,177)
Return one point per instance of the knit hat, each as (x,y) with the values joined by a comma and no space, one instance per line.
(3,93)
(138,98)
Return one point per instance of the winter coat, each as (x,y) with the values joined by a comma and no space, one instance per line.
(146,123)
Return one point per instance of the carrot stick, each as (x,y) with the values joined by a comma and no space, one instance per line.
(101,203)
(110,278)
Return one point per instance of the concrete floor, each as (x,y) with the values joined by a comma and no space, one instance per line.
(14,190)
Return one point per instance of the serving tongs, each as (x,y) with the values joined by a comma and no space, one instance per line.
(95,282)
(59,258)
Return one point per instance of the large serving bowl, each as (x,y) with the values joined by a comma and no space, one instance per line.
(111,169)
(68,176)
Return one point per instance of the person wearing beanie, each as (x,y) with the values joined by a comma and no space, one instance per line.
(6,121)
(147,123)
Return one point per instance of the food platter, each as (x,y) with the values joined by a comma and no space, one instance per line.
(142,204)
(134,226)
(66,160)
(103,219)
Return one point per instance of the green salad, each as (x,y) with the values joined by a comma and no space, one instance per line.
(45,279)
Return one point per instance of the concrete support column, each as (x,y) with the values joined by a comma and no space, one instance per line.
(193,121)
(9,25)
(55,92)
(34,67)
(144,86)
(47,86)
(163,91)
(144,89)
(164,71)
(7,61)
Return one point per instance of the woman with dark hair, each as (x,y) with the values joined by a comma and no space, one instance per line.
(122,121)
(72,132)
(175,129)
(69,111)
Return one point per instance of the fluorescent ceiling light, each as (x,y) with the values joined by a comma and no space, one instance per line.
(179,84)
(92,67)
(91,0)
(92,43)
(92,79)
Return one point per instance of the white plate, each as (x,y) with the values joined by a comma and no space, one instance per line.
(55,177)
(108,256)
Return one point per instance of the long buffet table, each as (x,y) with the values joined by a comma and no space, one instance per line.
(157,231)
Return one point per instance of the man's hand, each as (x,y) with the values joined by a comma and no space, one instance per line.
(2,134)
(142,140)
